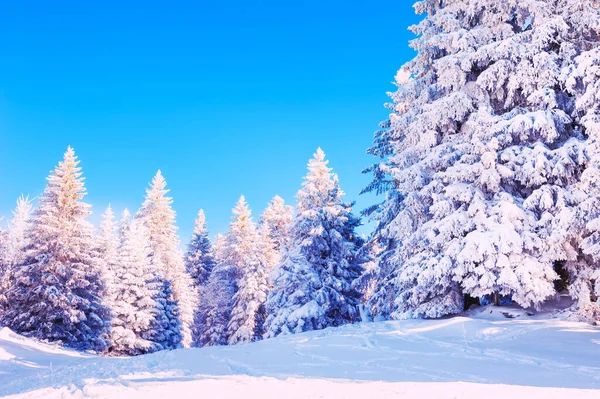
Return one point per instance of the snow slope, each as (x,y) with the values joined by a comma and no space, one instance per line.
(460,357)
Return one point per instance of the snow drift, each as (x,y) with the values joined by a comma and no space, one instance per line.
(485,353)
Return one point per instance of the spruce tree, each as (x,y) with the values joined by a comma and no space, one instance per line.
(243,253)
(166,329)
(14,242)
(107,244)
(17,228)
(581,81)
(200,257)
(200,261)
(217,299)
(159,219)
(4,266)
(482,155)
(274,225)
(57,289)
(133,292)
(313,284)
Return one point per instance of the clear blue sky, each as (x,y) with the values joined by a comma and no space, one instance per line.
(225,97)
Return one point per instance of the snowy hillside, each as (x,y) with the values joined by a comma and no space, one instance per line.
(483,355)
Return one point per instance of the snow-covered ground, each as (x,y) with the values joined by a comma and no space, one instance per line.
(482,355)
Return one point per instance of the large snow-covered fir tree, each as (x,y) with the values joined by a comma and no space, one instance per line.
(57,289)
(159,219)
(582,81)
(313,284)
(482,157)
(199,263)
(274,229)
(243,253)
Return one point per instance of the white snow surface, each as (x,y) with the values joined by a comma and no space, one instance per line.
(482,354)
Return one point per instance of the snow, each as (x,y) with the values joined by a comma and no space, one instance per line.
(480,354)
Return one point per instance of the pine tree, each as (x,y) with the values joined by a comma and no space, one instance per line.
(217,299)
(17,228)
(133,290)
(313,285)
(159,219)
(274,226)
(4,266)
(14,242)
(243,253)
(366,283)
(200,257)
(107,244)
(581,81)
(481,156)
(200,261)
(57,290)
(165,329)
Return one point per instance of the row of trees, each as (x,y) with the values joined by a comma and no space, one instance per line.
(490,159)
(127,289)
(490,166)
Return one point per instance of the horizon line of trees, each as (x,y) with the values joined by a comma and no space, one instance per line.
(127,289)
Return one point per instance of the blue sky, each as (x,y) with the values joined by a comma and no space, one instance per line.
(226,98)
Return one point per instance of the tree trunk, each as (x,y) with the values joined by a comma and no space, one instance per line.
(496,299)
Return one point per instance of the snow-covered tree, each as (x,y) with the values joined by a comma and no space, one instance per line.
(200,257)
(166,329)
(107,244)
(243,253)
(366,283)
(133,291)
(313,284)
(4,266)
(481,156)
(17,228)
(159,219)
(14,242)
(200,261)
(581,79)
(57,290)
(274,225)
(4,245)
(145,316)
(217,299)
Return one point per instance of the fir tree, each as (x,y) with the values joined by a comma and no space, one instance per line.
(17,228)
(107,244)
(57,289)
(165,329)
(200,261)
(200,257)
(481,156)
(313,285)
(14,242)
(274,226)
(133,291)
(243,253)
(159,219)
(217,299)
(581,80)
(4,266)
